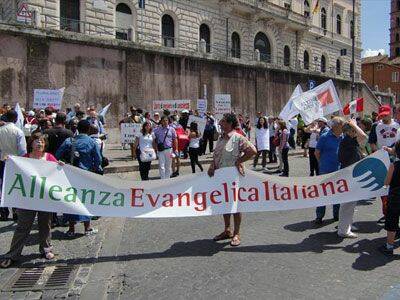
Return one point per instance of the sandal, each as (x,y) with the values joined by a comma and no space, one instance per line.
(6,263)
(48,253)
(223,236)
(70,233)
(235,241)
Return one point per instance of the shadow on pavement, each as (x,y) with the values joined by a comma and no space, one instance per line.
(370,257)
(307,225)
(9,227)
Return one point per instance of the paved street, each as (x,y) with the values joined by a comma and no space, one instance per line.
(283,256)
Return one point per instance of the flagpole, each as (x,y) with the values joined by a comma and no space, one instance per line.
(352,52)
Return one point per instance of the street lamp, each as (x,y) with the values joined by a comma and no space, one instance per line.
(352,52)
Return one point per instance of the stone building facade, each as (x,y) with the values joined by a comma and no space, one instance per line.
(289,34)
(394,29)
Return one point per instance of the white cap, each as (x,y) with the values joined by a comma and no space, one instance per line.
(322,119)
(31,113)
(185,111)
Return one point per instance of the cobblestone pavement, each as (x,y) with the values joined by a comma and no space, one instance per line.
(283,256)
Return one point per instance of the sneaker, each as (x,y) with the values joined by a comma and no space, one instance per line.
(381,220)
(91,231)
(318,221)
(350,235)
(385,250)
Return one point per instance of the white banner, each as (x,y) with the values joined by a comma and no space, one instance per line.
(104,110)
(222,104)
(171,105)
(129,132)
(321,101)
(290,111)
(202,106)
(48,98)
(39,185)
(201,123)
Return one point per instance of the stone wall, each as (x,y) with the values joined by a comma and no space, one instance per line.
(96,73)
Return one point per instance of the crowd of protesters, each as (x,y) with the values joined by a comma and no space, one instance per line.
(77,137)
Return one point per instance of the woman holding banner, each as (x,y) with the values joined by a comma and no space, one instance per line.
(36,150)
(232,149)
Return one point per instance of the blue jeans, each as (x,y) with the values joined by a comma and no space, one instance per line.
(320,211)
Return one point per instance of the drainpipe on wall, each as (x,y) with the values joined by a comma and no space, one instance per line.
(227,37)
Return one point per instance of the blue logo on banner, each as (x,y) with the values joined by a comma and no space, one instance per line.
(372,171)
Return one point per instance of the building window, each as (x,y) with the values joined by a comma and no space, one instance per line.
(338,67)
(168,31)
(123,21)
(205,35)
(306,61)
(397,51)
(262,44)
(323,64)
(395,76)
(323,18)
(235,45)
(351,29)
(306,8)
(286,56)
(70,15)
(287,4)
(379,67)
(338,24)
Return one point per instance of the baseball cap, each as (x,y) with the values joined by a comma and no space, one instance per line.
(31,113)
(185,111)
(322,119)
(384,111)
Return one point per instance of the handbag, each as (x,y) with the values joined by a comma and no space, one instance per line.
(104,160)
(160,146)
(148,154)
(215,134)
(276,141)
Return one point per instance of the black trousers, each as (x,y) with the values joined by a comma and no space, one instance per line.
(272,151)
(314,167)
(194,159)
(4,211)
(208,136)
(144,167)
(263,153)
(285,160)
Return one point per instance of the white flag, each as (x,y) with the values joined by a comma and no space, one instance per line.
(316,103)
(290,111)
(104,110)
(20,120)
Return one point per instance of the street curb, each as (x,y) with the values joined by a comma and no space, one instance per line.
(135,168)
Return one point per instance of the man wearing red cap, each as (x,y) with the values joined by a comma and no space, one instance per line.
(383,134)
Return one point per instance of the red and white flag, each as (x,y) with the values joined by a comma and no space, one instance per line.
(354,107)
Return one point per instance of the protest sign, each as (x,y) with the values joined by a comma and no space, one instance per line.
(129,131)
(171,105)
(202,106)
(45,186)
(201,123)
(318,102)
(222,104)
(47,98)
(290,111)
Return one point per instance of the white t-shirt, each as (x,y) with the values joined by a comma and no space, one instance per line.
(313,140)
(262,137)
(387,134)
(194,142)
(146,141)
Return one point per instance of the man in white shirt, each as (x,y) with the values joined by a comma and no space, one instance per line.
(12,142)
(383,134)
